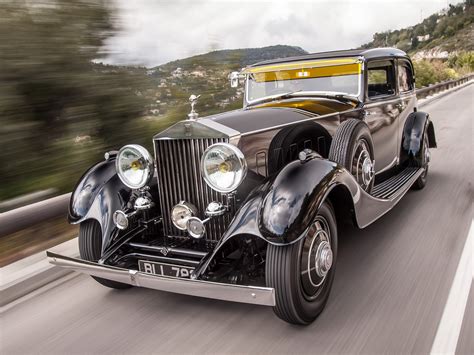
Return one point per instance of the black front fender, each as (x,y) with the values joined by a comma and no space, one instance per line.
(281,209)
(97,195)
(293,198)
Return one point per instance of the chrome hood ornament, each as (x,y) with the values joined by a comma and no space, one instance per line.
(193,115)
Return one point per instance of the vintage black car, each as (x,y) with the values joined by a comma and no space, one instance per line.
(244,206)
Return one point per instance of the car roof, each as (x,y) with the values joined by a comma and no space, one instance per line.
(365,53)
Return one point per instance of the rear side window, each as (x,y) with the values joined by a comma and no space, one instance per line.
(405,77)
(381,80)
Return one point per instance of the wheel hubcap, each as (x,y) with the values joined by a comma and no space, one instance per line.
(323,260)
(362,165)
(316,257)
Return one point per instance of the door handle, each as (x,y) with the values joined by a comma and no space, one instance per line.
(369,113)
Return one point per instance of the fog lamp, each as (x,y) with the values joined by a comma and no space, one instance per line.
(196,227)
(120,219)
(181,213)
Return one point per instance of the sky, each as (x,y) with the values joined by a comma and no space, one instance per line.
(156,32)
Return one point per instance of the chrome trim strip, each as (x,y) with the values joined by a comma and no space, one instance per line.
(169,250)
(219,127)
(264,296)
(312,118)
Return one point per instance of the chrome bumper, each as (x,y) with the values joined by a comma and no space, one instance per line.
(264,296)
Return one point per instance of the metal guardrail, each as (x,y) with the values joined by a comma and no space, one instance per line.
(30,215)
(445,85)
(33,214)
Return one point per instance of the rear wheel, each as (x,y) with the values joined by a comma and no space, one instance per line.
(353,149)
(423,161)
(90,248)
(302,273)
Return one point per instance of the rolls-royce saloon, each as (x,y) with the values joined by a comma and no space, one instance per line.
(245,205)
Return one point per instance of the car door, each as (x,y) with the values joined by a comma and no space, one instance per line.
(406,92)
(381,112)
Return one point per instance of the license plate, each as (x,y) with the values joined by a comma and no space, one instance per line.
(163,269)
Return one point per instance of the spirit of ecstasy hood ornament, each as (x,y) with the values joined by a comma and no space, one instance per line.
(193,115)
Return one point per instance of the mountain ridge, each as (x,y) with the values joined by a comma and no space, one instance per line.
(241,56)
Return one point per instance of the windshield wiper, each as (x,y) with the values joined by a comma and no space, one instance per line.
(338,97)
(282,96)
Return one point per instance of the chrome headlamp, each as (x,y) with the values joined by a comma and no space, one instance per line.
(223,167)
(134,166)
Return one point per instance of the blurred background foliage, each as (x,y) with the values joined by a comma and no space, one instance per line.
(60,111)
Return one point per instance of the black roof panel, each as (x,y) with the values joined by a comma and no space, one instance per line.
(366,53)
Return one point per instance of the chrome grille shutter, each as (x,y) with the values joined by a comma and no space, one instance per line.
(179,179)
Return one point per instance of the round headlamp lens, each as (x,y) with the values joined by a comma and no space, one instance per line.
(223,167)
(134,166)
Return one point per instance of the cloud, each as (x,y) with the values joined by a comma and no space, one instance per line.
(155,32)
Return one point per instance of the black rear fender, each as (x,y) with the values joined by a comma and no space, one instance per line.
(415,126)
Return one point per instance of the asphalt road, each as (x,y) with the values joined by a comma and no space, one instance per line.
(390,289)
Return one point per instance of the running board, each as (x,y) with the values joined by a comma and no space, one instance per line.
(370,207)
(389,187)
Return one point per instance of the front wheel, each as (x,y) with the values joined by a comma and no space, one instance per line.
(90,247)
(302,273)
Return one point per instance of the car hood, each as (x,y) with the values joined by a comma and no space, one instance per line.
(277,113)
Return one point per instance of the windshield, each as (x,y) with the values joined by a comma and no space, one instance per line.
(337,76)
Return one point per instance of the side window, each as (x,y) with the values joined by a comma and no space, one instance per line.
(405,77)
(381,80)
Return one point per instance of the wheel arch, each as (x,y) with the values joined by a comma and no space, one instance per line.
(415,126)
(342,203)
(287,143)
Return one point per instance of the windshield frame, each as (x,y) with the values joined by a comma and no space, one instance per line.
(315,93)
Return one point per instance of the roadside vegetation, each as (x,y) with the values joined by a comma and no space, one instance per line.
(434,71)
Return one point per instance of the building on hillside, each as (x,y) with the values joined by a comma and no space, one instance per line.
(177,73)
(423,38)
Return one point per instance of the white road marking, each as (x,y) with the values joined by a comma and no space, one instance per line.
(449,327)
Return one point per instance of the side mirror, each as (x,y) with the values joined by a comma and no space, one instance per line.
(234,79)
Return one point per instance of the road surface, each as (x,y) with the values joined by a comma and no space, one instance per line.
(391,286)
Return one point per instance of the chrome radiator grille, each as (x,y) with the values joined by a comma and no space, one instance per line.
(179,179)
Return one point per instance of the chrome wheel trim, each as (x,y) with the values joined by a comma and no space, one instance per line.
(316,258)
(362,165)
(426,151)
(426,155)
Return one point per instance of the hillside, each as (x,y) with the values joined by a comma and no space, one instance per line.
(235,58)
(206,75)
(450,30)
